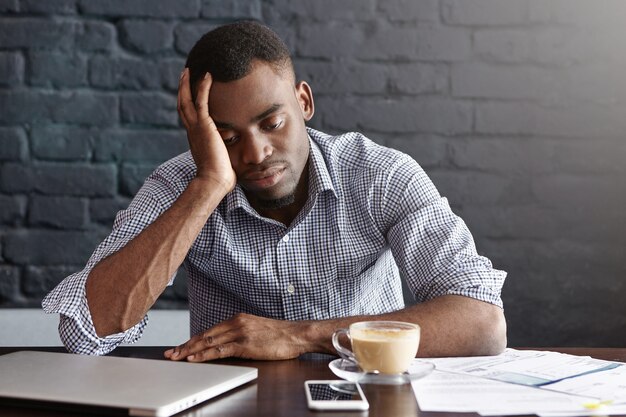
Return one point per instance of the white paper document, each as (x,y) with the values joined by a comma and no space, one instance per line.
(548,384)
(527,367)
(608,386)
(452,392)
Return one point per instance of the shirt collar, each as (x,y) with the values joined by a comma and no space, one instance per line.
(319,182)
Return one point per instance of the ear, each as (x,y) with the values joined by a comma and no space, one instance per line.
(305,99)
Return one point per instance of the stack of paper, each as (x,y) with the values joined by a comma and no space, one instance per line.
(549,384)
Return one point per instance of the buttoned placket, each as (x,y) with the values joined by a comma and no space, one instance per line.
(288,289)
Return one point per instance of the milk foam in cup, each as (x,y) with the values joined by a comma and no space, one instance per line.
(386,347)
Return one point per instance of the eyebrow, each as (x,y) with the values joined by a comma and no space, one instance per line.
(274,108)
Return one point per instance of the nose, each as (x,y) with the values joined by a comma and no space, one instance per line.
(256,149)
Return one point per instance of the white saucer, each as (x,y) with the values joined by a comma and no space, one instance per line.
(348,370)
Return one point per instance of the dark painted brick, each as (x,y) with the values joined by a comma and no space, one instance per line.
(409,10)
(144,145)
(9,284)
(149,109)
(442,43)
(426,115)
(11,68)
(279,11)
(526,221)
(147,36)
(239,9)
(132,177)
(578,12)
(47,247)
(564,191)
(591,83)
(419,78)
(170,73)
(12,209)
(59,179)
(64,107)
(13,144)
(95,36)
(142,8)
(48,6)
(58,212)
(550,46)
(512,156)
(347,39)
(471,188)
(124,73)
(187,34)
(384,41)
(588,157)
(581,120)
(37,33)
(103,210)
(40,280)
(136,74)
(496,81)
(339,77)
(485,12)
(53,69)
(9,6)
(428,150)
(63,143)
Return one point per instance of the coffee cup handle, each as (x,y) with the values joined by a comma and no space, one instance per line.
(343,352)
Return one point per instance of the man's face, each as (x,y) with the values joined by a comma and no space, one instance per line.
(261,119)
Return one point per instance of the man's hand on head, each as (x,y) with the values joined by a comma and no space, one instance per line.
(244,336)
(206,145)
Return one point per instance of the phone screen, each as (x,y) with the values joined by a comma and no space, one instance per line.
(335,391)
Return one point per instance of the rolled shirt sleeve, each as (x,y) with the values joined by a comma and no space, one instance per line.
(433,248)
(68,298)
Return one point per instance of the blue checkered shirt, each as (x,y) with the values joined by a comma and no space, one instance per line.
(372,217)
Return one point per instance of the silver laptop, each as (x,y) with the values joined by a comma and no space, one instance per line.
(137,387)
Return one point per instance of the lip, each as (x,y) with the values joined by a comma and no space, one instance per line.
(266,178)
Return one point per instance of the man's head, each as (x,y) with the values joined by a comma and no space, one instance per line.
(260,112)
(229,51)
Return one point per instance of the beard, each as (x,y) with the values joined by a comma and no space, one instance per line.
(276,203)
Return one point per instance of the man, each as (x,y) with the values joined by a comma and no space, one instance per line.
(286,233)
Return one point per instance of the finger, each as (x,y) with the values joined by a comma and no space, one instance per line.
(202,99)
(186,108)
(178,352)
(199,343)
(207,342)
(216,352)
(170,353)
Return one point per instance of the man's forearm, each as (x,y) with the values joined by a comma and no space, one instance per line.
(121,288)
(450,326)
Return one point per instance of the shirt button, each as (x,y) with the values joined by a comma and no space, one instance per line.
(291,289)
(286,238)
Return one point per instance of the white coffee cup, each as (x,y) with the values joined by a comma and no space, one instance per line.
(386,347)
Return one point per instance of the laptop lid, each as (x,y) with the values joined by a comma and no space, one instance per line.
(143,387)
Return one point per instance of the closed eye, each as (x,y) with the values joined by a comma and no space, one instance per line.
(273,126)
(231,140)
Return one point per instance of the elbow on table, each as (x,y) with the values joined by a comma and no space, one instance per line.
(493,334)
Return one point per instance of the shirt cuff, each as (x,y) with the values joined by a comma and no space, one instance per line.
(76,327)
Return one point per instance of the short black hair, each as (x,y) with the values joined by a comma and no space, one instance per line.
(228,51)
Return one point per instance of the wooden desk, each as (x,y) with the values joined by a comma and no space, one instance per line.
(279,389)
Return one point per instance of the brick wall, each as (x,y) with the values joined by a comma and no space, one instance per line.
(516,108)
